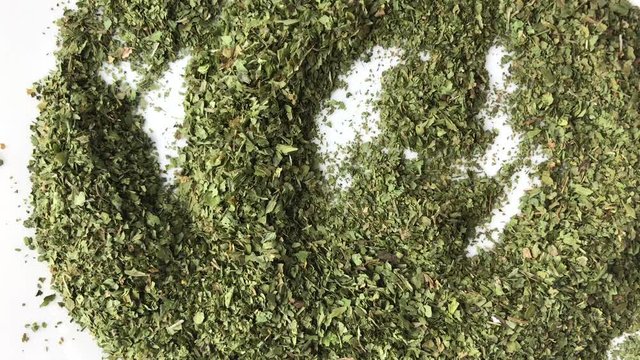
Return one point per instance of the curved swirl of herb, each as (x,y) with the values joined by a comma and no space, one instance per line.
(251,255)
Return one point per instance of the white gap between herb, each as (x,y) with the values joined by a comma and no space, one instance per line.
(504,147)
(356,118)
(488,234)
(162,108)
(501,152)
(617,342)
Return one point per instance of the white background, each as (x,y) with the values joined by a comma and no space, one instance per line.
(27,41)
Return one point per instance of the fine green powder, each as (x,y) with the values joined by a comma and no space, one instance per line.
(253,254)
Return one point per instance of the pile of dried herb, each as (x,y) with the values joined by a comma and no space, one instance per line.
(252,253)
